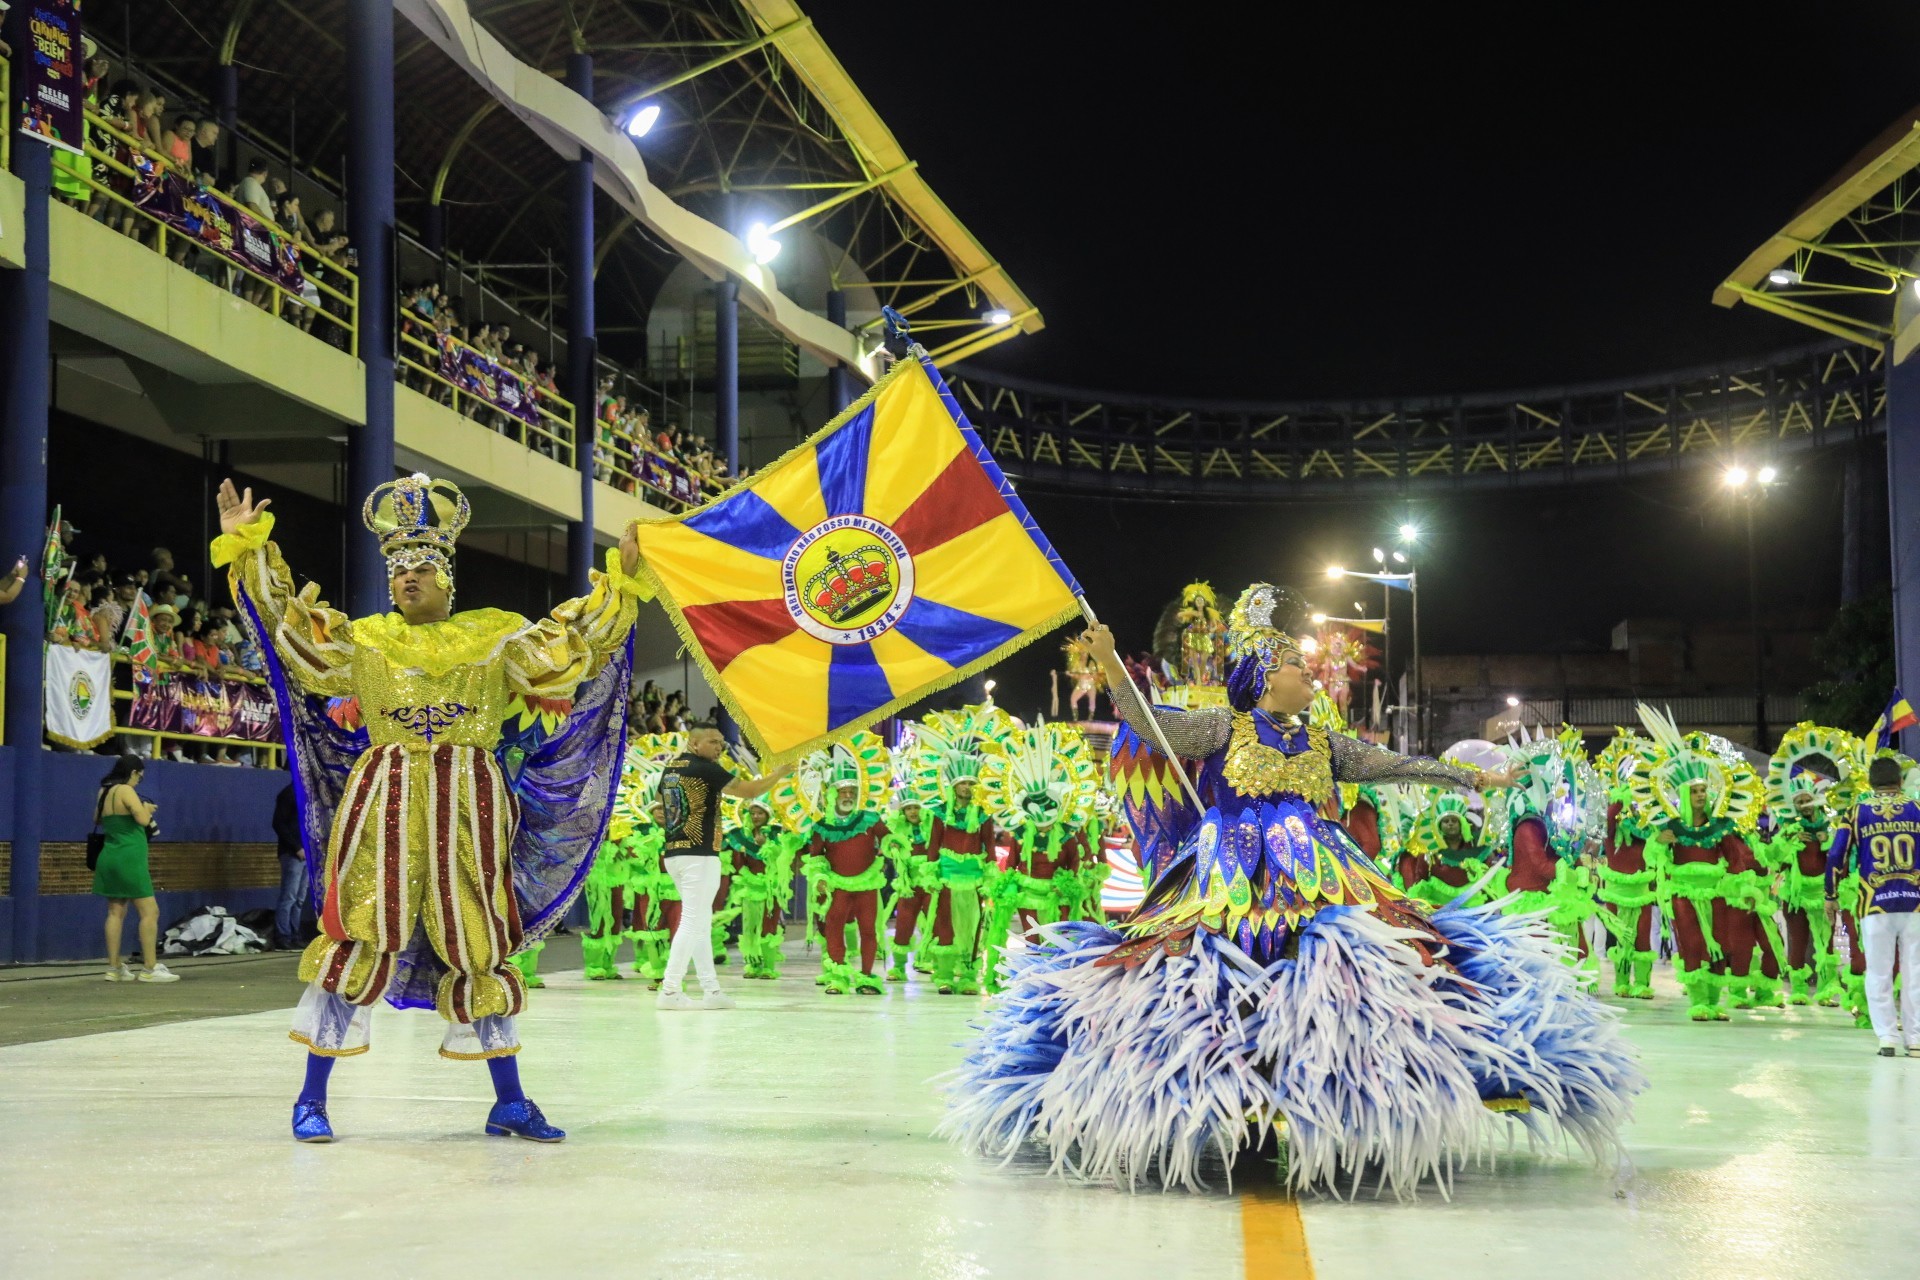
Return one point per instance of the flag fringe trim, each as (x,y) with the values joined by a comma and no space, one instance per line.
(75,743)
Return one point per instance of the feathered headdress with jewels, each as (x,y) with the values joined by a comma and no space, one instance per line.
(1260,636)
(1561,788)
(807,795)
(1813,760)
(1671,762)
(947,747)
(418,520)
(1263,621)
(1040,777)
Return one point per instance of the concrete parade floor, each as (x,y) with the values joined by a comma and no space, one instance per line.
(790,1139)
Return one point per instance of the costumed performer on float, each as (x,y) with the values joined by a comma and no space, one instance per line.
(1273,984)
(434,859)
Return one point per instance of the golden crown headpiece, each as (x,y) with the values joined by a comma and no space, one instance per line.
(1259,621)
(417,520)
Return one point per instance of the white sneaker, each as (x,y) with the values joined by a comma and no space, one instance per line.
(159,973)
(119,973)
(717,1000)
(1913,1051)
(675,1000)
(1888,1048)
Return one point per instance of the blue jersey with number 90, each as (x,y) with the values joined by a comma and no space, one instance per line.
(1882,839)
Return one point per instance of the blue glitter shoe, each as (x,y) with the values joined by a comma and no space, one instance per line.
(310,1122)
(521,1119)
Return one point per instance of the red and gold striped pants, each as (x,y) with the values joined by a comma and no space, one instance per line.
(422,840)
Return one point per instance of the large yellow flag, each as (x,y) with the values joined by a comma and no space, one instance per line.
(885,558)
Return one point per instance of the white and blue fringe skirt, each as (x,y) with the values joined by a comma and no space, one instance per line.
(1372,1065)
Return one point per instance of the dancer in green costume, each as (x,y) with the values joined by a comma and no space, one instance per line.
(916,874)
(1811,762)
(946,761)
(1555,823)
(1699,797)
(1039,787)
(1630,874)
(617,905)
(836,798)
(1444,856)
(761,854)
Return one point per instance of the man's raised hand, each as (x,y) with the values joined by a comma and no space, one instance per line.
(237,507)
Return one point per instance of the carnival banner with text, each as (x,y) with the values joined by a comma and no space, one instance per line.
(213,224)
(52,92)
(481,377)
(177,703)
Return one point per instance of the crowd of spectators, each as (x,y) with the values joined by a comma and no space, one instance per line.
(186,142)
(651,709)
(626,432)
(186,633)
(429,315)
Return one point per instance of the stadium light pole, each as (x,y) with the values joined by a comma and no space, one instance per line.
(1748,487)
(1409,582)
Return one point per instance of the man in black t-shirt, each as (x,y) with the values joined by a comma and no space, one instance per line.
(690,794)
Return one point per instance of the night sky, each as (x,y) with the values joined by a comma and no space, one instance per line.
(1370,202)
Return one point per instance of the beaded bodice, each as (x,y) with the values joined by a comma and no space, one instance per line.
(1265,759)
(418,688)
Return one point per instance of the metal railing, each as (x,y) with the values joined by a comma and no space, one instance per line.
(275,752)
(617,461)
(552,434)
(117,160)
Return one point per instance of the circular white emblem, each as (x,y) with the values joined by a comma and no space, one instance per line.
(847,580)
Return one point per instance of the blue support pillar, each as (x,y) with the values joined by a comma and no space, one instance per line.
(839,377)
(580,334)
(226,108)
(370,229)
(25,386)
(1903,510)
(726,371)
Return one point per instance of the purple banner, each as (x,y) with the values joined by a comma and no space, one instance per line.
(52,95)
(177,703)
(212,224)
(669,478)
(480,377)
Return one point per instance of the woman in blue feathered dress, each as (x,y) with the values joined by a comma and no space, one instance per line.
(1273,980)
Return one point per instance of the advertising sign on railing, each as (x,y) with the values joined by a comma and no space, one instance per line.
(215,226)
(669,478)
(52,96)
(207,708)
(481,378)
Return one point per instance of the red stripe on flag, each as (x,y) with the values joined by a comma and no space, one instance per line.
(731,627)
(960,498)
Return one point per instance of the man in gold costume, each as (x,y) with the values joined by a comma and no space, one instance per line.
(430,877)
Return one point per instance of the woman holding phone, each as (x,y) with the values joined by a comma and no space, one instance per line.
(120,873)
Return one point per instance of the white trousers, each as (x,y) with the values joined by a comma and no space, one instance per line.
(697,877)
(1882,936)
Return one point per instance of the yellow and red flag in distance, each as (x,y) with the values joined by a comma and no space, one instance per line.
(882,560)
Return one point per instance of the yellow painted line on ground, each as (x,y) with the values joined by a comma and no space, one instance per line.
(1273,1237)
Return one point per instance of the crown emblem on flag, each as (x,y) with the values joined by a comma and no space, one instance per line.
(850,582)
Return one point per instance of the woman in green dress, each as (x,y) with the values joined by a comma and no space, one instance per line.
(120,874)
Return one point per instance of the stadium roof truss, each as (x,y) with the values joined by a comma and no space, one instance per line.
(1087,440)
(1848,263)
(756,111)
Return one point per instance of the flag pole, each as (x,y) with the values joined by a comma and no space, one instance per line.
(1159,735)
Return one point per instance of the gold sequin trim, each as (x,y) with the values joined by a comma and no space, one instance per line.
(1255,769)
